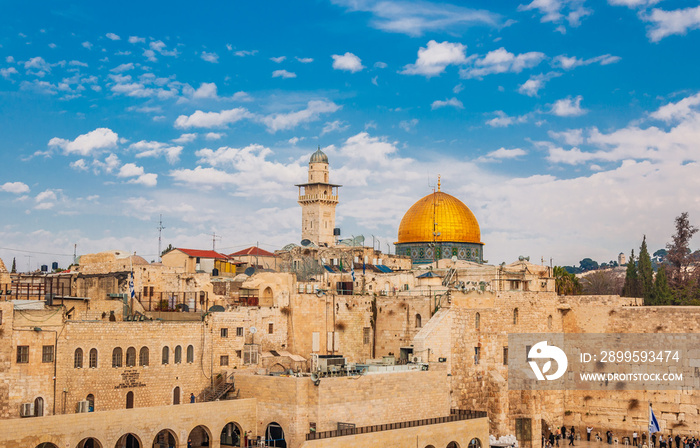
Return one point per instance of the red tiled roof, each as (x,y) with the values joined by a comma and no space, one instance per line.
(255,251)
(203,253)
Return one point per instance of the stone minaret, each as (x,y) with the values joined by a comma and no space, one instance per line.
(318,199)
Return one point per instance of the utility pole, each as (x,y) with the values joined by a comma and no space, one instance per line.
(75,252)
(213,241)
(160,231)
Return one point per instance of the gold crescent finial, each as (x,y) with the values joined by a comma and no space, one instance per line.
(438,182)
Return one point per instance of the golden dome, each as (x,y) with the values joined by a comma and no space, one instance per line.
(454,221)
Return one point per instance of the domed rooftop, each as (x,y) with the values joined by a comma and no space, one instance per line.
(455,222)
(319,157)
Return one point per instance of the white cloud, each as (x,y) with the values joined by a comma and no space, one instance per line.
(558,11)
(417,17)
(136,39)
(15,187)
(304,60)
(213,135)
(408,125)
(532,86)
(503,120)
(203,176)
(283,74)
(453,102)
(46,199)
(568,63)
(147,179)
(667,23)
(184,138)
(380,64)
(201,119)
(6,72)
(10,59)
(142,178)
(285,121)
(334,126)
(87,45)
(634,3)
(502,154)
(571,137)
(243,53)
(156,149)
(78,64)
(112,36)
(37,66)
(501,61)
(79,165)
(279,59)
(123,68)
(241,96)
(675,111)
(434,59)
(347,62)
(372,150)
(568,107)
(210,57)
(87,144)
(130,170)
(205,90)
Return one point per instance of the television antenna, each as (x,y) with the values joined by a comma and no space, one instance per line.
(160,232)
(214,238)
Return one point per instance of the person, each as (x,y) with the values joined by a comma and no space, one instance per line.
(669,440)
(558,435)
(634,438)
(652,440)
(662,441)
(610,437)
(678,441)
(588,433)
(563,432)
(571,438)
(189,443)
(644,438)
(551,439)
(192,398)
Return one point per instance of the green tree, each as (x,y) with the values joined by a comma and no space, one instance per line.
(14,266)
(588,265)
(679,252)
(566,283)
(645,274)
(631,286)
(662,291)
(167,249)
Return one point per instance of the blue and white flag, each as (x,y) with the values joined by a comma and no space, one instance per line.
(353,271)
(653,423)
(131,285)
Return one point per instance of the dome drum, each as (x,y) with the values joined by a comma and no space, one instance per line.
(422,253)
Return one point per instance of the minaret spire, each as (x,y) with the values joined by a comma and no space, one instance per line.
(438,182)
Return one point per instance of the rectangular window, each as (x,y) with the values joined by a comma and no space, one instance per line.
(477,354)
(250,354)
(239,331)
(270,328)
(505,356)
(0,317)
(47,353)
(224,332)
(223,361)
(365,335)
(22,354)
(238,354)
(315,341)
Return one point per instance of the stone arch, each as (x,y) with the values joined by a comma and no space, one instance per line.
(477,321)
(91,400)
(46,445)
(277,368)
(130,400)
(93,358)
(130,357)
(117,357)
(475,443)
(165,439)
(430,446)
(128,440)
(232,435)
(178,355)
(190,353)
(515,316)
(176,395)
(89,442)
(199,436)
(453,444)
(144,356)
(274,435)
(549,322)
(166,355)
(419,321)
(38,407)
(78,358)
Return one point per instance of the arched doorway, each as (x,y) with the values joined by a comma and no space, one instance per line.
(430,446)
(89,442)
(129,400)
(176,395)
(475,443)
(453,445)
(231,435)
(38,407)
(199,436)
(274,435)
(128,441)
(91,402)
(46,445)
(165,439)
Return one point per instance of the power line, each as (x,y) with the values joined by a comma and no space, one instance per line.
(35,252)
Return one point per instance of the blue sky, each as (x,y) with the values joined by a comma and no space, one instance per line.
(569,127)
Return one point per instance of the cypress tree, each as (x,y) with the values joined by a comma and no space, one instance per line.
(646,274)
(662,291)
(14,266)
(631,287)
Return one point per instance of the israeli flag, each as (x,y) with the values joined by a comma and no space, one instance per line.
(353,271)
(653,423)
(131,286)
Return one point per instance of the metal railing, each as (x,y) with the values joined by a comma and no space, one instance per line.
(455,416)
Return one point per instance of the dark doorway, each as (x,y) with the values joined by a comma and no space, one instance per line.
(165,439)
(89,443)
(274,435)
(176,395)
(199,437)
(38,407)
(129,400)
(128,441)
(231,435)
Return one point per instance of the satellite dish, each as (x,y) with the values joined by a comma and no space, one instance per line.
(215,309)
(305,242)
(454,258)
(249,271)
(253,330)
(289,247)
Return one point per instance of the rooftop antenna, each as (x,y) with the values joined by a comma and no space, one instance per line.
(435,224)
(213,240)
(160,231)
(75,252)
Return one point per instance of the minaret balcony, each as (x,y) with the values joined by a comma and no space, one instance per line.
(318,197)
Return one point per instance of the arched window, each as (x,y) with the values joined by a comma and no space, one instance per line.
(475,443)
(477,321)
(117,357)
(129,400)
(176,395)
(38,407)
(178,355)
(91,400)
(549,322)
(190,354)
(515,316)
(130,357)
(143,356)
(419,322)
(166,355)
(78,358)
(93,358)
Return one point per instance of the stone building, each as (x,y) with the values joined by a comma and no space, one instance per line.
(318,199)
